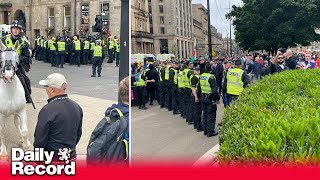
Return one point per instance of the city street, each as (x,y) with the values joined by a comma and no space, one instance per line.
(160,135)
(93,94)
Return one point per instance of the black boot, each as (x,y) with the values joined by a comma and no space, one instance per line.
(210,134)
(93,75)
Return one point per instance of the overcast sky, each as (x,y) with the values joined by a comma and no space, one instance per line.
(218,10)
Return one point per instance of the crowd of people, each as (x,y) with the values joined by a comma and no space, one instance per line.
(193,89)
(74,51)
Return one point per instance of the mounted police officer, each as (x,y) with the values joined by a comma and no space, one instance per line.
(24,55)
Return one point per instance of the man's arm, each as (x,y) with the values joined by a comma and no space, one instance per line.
(194,82)
(214,88)
(245,80)
(79,133)
(42,128)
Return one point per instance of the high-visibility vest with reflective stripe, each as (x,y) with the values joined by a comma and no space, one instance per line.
(181,79)
(61,46)
(234,81)
(38,41)
(204,83)
(175,77)
(115,41)
(118,47)
(10,44)
(111,44)
(92,46)
(77,45)
(166,73)
(42,42)
(97,52)
(51,45)
(198,76)
(139,80)
(160,73)
(86,45)
(186,79)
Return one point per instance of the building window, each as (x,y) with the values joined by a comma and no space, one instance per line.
(140,25)
(85,14)
(51,17)
(160,1)
(67,17)
(161,20)
(162,30)
(164,46)
(151,29)
(139,4)
(161,9)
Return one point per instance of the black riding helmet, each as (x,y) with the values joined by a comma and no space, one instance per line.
(16,23)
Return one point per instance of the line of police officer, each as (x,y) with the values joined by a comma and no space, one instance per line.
(194,95)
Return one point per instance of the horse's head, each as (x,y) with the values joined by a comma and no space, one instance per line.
(9,60)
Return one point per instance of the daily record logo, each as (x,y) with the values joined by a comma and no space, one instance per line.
(43,161)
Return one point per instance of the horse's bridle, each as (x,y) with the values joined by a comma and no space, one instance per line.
(8,65)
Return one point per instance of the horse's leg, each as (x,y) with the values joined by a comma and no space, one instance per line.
(17,123)
(3,151)
(24,129)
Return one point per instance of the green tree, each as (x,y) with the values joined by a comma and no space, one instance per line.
(273,24)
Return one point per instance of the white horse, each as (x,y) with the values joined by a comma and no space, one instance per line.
(12,96)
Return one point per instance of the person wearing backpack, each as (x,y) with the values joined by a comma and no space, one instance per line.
(109,142)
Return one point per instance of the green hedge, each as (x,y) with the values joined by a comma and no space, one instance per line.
(275,121)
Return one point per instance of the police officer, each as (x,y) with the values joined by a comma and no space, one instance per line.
(24,56)
(43,51)
(62,51)
(92,44)
(76,52)
(116,42)
(52,51)
(117,54)
(173,81)
(70,51)
(152,74)
(141,88)
(98,56)
(85,51)
(37,48)
(235,82)
(181,89)
(168,86)
(111,50)
(187,91)
(194,112)
(209,99)
(162,88)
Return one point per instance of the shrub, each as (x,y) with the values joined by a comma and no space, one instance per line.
(275,121)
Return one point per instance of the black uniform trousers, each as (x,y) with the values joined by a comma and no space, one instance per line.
(117,58)
(85,56)
(168,98)
(209,114)
(175,98)
(141,93)
(219,84)
(180,100)
(60,59)
(97,65)
(161,94)
(152,91)
(194,113)
(52,58)
(111,55)
(186,100)
(90,57)
(76,58)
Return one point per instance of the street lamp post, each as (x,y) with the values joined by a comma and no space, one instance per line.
(209,32)
(75,18)
(124,40)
